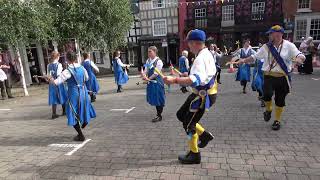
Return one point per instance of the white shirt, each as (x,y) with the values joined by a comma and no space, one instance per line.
(203,66)
(119,61)
(159,64)
(186,62)
(65,75)
(94,66)
(246,51)
(59,69)
(3,75)
(288,52)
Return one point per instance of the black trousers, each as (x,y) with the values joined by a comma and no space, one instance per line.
(277,86)
(5,88)
(190,119)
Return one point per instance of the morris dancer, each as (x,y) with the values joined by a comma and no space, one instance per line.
(257,80)
(184,68)
(155,87)
(121,76)
(79,109)
(278,55)
(244,72)
(217,55)
(57,94)
(92,84)
(202,79)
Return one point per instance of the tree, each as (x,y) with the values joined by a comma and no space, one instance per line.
(99,24)
(23,21)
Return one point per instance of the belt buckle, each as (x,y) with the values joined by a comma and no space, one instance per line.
(202,93)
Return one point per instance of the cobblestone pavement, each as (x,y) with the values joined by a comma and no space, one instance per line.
(128,146)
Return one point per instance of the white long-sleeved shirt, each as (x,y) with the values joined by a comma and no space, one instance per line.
(204,67)
(65,75)
(288,52)
(59,69)
(159,64)
(93,65)
(119,61)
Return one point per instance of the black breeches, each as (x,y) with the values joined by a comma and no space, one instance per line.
(190,119)
(277,86)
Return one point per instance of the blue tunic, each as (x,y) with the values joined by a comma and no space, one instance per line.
(92,84)
(155,90)
(57,94)
(78,104)
(182,64)
(257,80)
(244,72)
(120,76)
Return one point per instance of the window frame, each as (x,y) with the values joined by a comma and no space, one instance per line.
(256,6)
(304,9)
(153,2)
(227,8)
(200,9)
(153,28)
(317,29)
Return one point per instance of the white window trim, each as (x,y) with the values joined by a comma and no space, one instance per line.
(163,5)
(200,9)
(304,9)
(223,14)
(257,12)
(155,20)
(307,17)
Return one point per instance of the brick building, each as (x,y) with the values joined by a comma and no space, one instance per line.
(231,20)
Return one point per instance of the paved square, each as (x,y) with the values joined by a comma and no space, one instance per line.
(128,146)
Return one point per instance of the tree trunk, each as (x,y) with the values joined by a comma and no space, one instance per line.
(24,85)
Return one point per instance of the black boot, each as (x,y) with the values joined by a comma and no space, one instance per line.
(204,139)
(267,116)
(80,136)
(276,125)
(93,97)
(54,112)
(119,90)
(190,158)
(63,110)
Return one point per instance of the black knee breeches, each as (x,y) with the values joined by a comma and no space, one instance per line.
(278,86)
(190,119)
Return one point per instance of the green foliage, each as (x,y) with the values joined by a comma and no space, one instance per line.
(25,21)
(100,24)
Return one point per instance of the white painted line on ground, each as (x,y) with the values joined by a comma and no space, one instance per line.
(126,110)
(63,145)
(130,110)
(316,79)
(5,109)
(78,147)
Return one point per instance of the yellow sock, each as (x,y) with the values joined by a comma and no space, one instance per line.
(268,106)
(278,113)
(199,129)
(193,143)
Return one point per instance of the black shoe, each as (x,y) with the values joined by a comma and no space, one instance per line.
(79,138)
(267,116)
(276,125)
(204,139)
(119,91)
(190,158)
(54,116)
(263,104)
(244,91)
(84,125)
(157,119)
(10,97)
